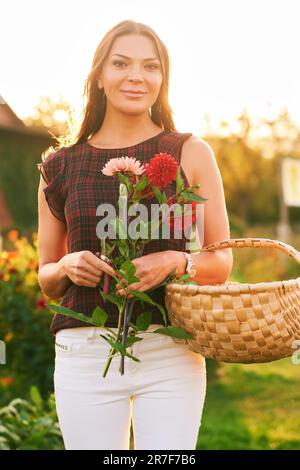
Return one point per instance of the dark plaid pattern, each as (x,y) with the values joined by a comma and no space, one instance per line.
(76,187)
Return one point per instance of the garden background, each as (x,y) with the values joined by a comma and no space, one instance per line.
(247,406)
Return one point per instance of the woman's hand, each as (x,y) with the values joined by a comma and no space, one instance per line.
(152,269)
(85,269)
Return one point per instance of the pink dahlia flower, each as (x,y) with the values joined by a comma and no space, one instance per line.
(123,165)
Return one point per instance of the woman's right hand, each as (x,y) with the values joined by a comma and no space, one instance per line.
(85,269)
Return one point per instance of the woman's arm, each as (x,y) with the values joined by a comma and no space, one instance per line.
(211,267)
(199,163)
(52,247)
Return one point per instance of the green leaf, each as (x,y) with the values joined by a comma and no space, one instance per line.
(99,316)
(164,197)
(132,339)
(35,395)
(142,296)
(193,196)
(129,269)
(133,279)
(179,181)
(163,312)
(145,298)
(120,348)
(123,179)
(141,184)
(10,434)
(183,277)
(69,313)
(124,250)
(175,332)
(119,243)
(143,320)
(157,193)
(112,297)
(108,246)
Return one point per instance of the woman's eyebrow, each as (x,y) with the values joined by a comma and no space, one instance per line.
(126,57)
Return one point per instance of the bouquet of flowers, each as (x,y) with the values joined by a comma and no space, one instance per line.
(138,183)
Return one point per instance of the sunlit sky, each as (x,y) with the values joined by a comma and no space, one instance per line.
(225,54)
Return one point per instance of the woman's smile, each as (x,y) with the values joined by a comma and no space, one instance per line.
(131,94)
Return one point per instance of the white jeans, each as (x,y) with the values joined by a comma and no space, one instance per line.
(163,394)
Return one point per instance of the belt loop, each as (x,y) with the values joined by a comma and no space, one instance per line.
(91,332)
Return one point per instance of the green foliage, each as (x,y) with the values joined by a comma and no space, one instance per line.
(253,265)
(24,323)
(30,425)
(249,165)
(19,175)
(252,407)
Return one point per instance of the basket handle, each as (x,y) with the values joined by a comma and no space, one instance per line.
(253,243)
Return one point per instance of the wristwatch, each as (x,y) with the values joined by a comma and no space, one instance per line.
(190,267)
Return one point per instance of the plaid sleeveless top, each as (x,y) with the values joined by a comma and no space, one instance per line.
(75,187)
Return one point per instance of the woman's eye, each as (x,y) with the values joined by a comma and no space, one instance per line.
(154,65)
(118,62)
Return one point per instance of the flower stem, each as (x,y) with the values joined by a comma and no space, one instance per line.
(113,351)
(127,317)
(124,338)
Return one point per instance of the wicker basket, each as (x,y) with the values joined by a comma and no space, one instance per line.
(239,322)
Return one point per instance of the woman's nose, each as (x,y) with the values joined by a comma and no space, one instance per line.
(135,77)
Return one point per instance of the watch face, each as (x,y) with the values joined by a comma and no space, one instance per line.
(192,271)
(191,268)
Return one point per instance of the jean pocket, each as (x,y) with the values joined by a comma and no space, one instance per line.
(69,346)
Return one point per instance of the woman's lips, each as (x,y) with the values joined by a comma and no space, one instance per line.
(133,95)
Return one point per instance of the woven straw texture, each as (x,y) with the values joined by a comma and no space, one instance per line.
(239,322)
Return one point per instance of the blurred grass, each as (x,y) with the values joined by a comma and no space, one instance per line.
(252,406)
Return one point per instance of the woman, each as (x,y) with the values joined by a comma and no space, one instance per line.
(126,113)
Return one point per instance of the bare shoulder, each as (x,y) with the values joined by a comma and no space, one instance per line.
(196,155)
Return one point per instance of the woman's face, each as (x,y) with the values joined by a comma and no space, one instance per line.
(135,72)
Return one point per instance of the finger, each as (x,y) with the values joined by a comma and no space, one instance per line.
(140,287)
(89,277)
(122,293)
(137,286)
(86,263)
(106,268)
(88,281)
(97,263)
(89,269)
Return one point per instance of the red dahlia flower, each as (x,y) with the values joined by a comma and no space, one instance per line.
(161,170)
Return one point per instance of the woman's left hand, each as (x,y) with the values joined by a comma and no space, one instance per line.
(152,269)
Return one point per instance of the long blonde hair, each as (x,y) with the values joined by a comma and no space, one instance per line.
(94,110)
